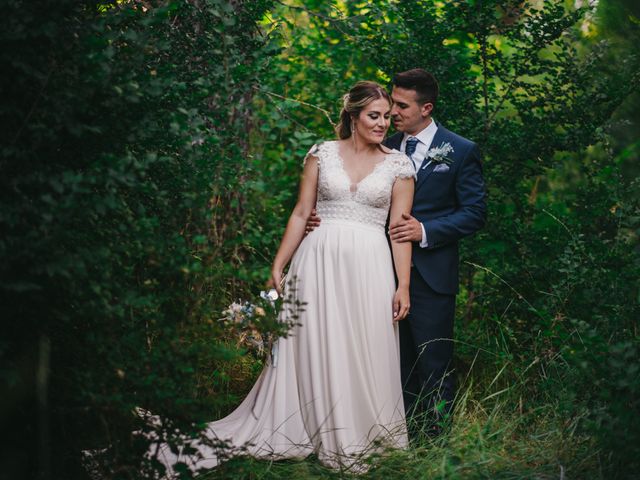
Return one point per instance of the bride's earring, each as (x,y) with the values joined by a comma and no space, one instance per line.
(353,132)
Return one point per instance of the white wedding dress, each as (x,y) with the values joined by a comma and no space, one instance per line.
(335,390)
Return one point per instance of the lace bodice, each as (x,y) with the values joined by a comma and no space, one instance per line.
(369,200)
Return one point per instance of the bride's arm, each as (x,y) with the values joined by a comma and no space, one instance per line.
(294,232)
(401,202)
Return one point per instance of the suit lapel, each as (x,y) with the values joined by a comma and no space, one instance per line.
(426,168)
(424,172)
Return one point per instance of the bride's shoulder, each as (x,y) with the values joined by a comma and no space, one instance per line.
(396,155)
(401,165)
(316,150)
(386,150)
(321,144)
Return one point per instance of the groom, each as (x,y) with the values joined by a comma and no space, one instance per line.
(449,204)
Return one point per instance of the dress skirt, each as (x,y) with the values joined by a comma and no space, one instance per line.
(335,389)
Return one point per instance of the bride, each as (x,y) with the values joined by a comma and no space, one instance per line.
(336,389)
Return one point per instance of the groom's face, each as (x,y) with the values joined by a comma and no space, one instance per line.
(408,114)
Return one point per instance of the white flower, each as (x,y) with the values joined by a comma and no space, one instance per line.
(271,295)
(235,307)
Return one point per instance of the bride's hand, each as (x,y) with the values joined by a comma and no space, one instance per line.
(275,281)
(401,303)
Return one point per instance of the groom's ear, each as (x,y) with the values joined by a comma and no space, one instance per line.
(426,109)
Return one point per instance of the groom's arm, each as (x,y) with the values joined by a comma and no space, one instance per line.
(472,210)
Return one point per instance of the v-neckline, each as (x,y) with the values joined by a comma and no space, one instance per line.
(353,186)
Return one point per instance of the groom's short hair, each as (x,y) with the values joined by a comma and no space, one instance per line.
(423,82)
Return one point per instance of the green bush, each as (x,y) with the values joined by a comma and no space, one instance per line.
(123,168)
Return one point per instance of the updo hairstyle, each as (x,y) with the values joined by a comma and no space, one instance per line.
(360,95)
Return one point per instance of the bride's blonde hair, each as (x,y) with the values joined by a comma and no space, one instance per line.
(360,95)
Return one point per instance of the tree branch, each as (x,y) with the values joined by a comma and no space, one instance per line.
(324,111)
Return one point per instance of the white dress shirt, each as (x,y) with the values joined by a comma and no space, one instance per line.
(425,137)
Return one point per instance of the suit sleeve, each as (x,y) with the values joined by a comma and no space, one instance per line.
(470,216)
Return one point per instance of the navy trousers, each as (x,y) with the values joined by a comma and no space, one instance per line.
(426,350)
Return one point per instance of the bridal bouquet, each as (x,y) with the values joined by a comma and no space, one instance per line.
(257,325)
(245,317)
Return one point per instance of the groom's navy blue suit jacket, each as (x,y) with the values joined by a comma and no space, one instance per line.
(450,203)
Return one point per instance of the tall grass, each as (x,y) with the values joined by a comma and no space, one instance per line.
(504,426)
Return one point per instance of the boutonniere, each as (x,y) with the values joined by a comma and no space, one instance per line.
(439,154)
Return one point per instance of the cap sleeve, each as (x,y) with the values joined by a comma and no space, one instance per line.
(315,151)
(403,166)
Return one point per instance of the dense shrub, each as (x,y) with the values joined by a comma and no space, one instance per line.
(124,154)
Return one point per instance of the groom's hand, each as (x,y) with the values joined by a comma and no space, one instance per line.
(312,222)
(406,230)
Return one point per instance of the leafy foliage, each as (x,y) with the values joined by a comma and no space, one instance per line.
(123,170)
(150,156)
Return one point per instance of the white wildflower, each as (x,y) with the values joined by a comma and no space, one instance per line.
(439,154)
